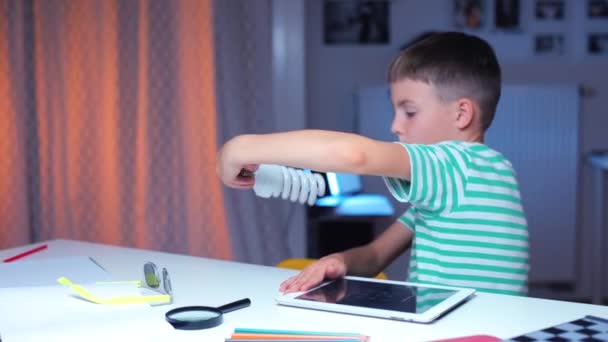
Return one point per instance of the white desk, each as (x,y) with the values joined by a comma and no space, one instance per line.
(200,281)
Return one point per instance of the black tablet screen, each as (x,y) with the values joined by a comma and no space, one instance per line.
(378,295)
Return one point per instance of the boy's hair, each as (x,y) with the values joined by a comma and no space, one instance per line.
(458,65)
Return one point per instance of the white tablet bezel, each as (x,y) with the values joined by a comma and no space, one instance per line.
(428,316)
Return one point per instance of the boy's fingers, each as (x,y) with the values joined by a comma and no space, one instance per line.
(293,287)
(330,272)
(313,279)
(242,183)
(293,283)
(333,272)
(288,282)
(302,279)
(309,285)
(284,284)
(310,277)
(302,283)
(251,168)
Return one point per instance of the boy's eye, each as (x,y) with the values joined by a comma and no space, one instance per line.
(410,114)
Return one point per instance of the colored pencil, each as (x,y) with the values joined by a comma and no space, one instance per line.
(290,340)
(274,337)
(26,253)
(292,332)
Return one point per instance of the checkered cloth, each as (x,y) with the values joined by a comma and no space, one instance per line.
(589,328)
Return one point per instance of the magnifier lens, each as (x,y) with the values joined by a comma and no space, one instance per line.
(202,317)
(151,275)
(194,316)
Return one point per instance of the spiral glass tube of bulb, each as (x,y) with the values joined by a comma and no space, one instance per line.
(298,185)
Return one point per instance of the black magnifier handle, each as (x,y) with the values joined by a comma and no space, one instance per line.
(239,304)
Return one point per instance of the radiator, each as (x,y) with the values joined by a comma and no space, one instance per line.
(537,128)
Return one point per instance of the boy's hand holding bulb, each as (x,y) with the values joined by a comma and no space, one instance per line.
(289,183)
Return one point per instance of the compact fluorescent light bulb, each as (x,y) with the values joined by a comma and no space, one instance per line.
(289,183)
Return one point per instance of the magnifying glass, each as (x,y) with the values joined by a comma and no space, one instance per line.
(202,317)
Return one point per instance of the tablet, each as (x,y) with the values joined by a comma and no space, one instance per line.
(380,298)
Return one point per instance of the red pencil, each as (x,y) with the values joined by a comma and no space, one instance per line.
(26,253)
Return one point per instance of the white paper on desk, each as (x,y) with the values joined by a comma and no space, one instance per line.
(44,272)
(54,313)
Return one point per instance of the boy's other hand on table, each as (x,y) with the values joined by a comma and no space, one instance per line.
(328,267)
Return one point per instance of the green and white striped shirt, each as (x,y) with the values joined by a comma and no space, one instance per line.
(466,214)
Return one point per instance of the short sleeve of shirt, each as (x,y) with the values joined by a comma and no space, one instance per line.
(437,177)
(409,218)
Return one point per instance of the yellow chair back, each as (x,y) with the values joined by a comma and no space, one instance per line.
(301,263)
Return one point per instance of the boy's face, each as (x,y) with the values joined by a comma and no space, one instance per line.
(420,116)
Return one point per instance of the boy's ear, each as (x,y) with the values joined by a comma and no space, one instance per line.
(466,112)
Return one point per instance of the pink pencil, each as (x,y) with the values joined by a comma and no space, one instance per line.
(26,253)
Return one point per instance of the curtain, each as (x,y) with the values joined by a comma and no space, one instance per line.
(263,231)
(108,125)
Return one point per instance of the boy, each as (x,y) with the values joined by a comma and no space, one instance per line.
(466,225)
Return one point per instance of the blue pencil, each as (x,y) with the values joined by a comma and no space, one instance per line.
(292,332)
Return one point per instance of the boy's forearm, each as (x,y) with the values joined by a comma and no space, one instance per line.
(310,149)
(324,151)
(374,257)
(361,261)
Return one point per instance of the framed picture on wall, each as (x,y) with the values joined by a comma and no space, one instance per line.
(597,9)
(597,44)
(549,44)
(549,9)
(507,14)
(356,22)
(469,14)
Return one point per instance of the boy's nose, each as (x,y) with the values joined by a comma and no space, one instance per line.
(395,128)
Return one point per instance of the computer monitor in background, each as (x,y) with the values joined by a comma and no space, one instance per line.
(346,216)
(341,184)
(345,194)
